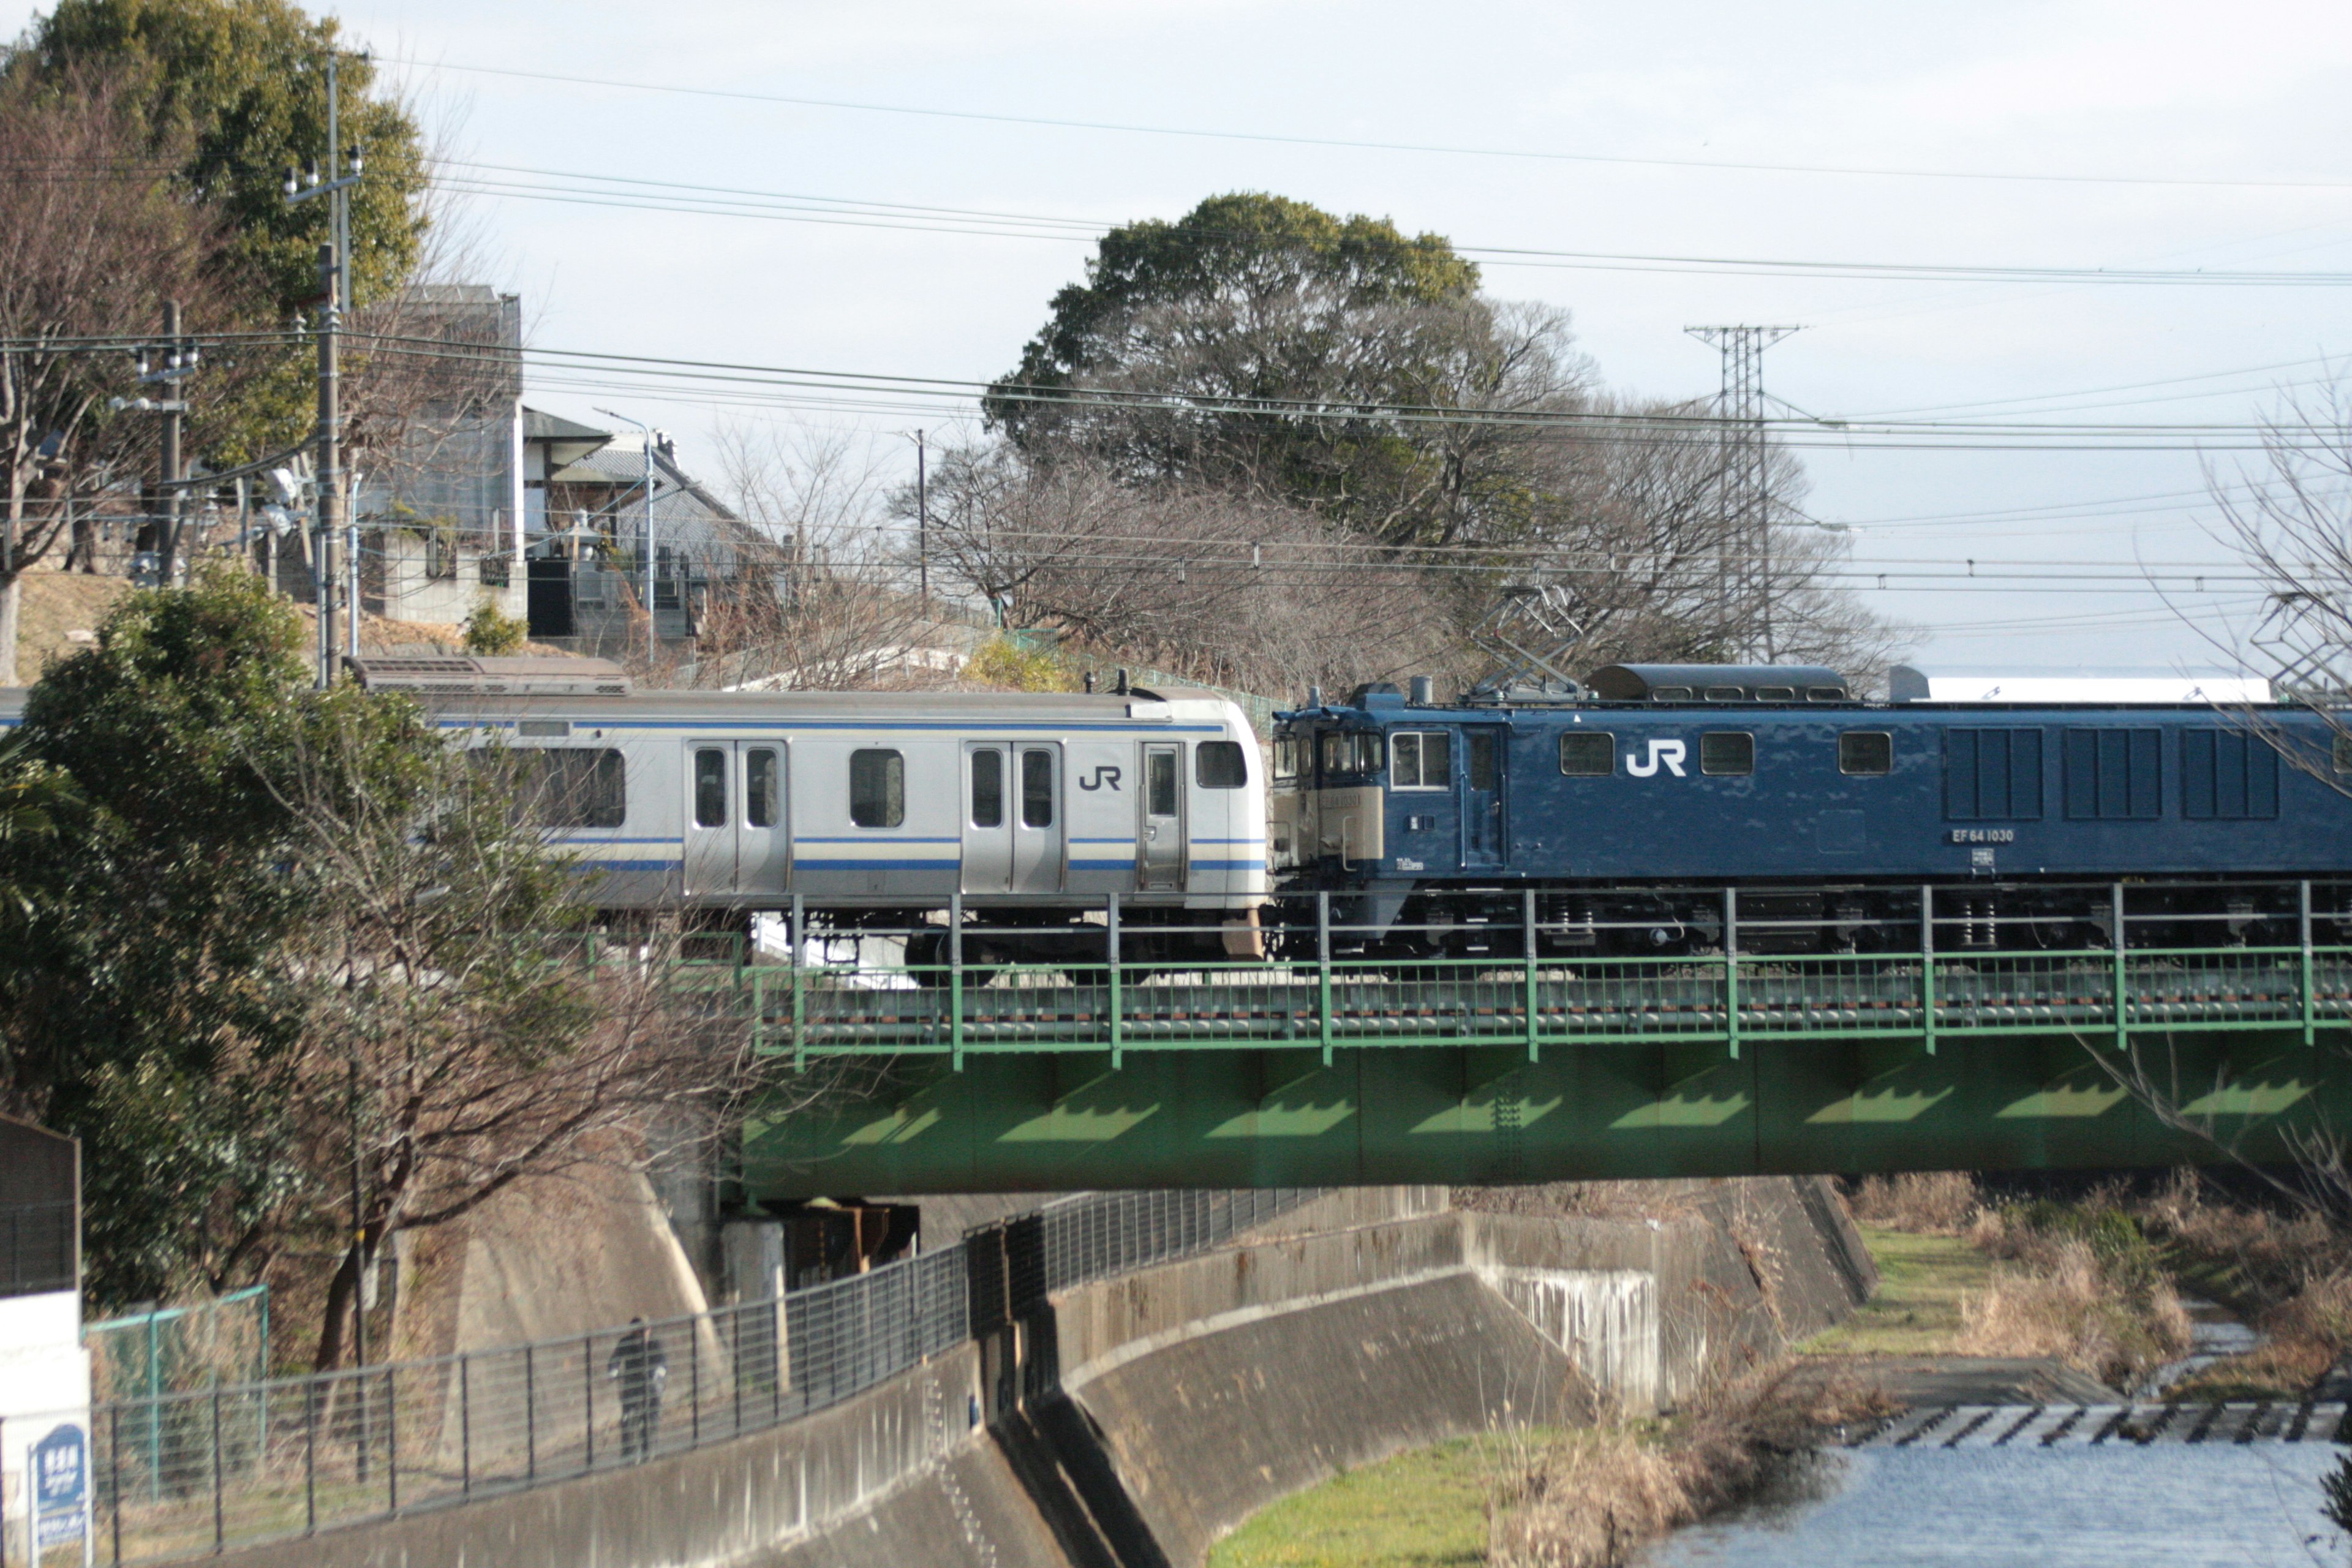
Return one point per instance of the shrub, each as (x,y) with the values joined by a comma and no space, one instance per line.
(1926,1202)
(491,633)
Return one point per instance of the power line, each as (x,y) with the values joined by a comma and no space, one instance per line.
(1194,132)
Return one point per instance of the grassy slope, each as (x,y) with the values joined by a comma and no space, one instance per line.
(1917,1310)
(1424,1509)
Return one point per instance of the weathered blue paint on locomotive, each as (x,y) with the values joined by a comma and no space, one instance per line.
(1797,817)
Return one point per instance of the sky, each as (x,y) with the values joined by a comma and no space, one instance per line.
(2068,134)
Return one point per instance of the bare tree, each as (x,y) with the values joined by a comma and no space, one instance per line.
(829,603)
(459,1039)
(94,236)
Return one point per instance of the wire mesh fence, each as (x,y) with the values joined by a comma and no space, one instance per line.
(189,1473)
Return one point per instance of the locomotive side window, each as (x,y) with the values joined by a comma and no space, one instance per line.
(878,788)
(1217,765)
(761,779)
(1588,754)
(2227,775)
(567,787)
(988,789)
(1037,789)
(2344,754)
(1727,752)
(1285,758)
(2114,775)
(709,788)
(1992,775)
(1483,761)
(1420,759)
(1866,754)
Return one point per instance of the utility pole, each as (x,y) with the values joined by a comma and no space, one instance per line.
(1744,552)
(653,610)
(922,523)
(174,407)
(334,295)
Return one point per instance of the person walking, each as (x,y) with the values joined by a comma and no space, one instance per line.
(641,1367)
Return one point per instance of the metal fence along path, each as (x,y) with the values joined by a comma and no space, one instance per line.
(194,1473)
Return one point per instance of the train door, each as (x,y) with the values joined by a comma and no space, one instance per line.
(1482,798)
(1162,800)
(1037,827)
(987,819)
(735,837)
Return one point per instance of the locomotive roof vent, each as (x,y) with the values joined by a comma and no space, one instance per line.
(1376,694)
(467,675)
(1720,683)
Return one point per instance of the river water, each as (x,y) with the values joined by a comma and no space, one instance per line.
(2069,1505)
(2252,1505)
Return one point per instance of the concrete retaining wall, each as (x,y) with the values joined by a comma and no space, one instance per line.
(1163,1408)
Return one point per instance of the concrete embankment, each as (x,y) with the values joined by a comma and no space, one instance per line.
(1135,1420)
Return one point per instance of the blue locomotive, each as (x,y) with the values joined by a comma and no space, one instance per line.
(1616,816)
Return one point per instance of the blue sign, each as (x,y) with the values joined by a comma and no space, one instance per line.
(61,1485)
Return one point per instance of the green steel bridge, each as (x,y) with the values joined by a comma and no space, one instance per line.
(1534,1067)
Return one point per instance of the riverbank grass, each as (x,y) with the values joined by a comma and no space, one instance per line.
(1423,1509)
(1922,1281)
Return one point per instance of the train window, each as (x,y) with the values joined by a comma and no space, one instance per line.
(1727,752)
(1824,693)
(566,786)
(1588,754)
(878,788)
(1217,765)
(988,789)
(1726,694)
(1285,757)
(1037,789)
(543,727)
(709,788)
(1159,784)
(1776,694)
(1868,752)
(763,788)
(1670,694)
(2344,754)
(1420,759)
(1367,753)
(1337,754)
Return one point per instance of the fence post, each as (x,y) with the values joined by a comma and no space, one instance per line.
(1323,969)
(392,1436)
(2115,893)
(1527,922)
(1928,966)
(530,1419)
(955,980)
(1111,954)
(694,1362)
(1731,970)
(800,1033)
(309,1456)
(588,1417)
(113,1480)
(2310,1003)
(465,1430)
(220,1512)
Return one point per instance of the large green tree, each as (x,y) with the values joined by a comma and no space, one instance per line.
(237,90)
(1263,343)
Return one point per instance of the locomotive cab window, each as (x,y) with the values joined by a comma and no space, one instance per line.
(1285,758)
(1727,752)
(878,788)
(1217,765)
(1420,759)
(1588,754)
(2344,754)
(1338,755)
(1866,754)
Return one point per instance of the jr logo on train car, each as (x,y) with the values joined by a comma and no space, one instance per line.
(1669,752)
(1104,776)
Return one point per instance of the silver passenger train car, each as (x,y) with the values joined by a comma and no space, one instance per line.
(877,808)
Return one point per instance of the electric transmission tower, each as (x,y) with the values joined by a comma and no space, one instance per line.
(1744,548)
